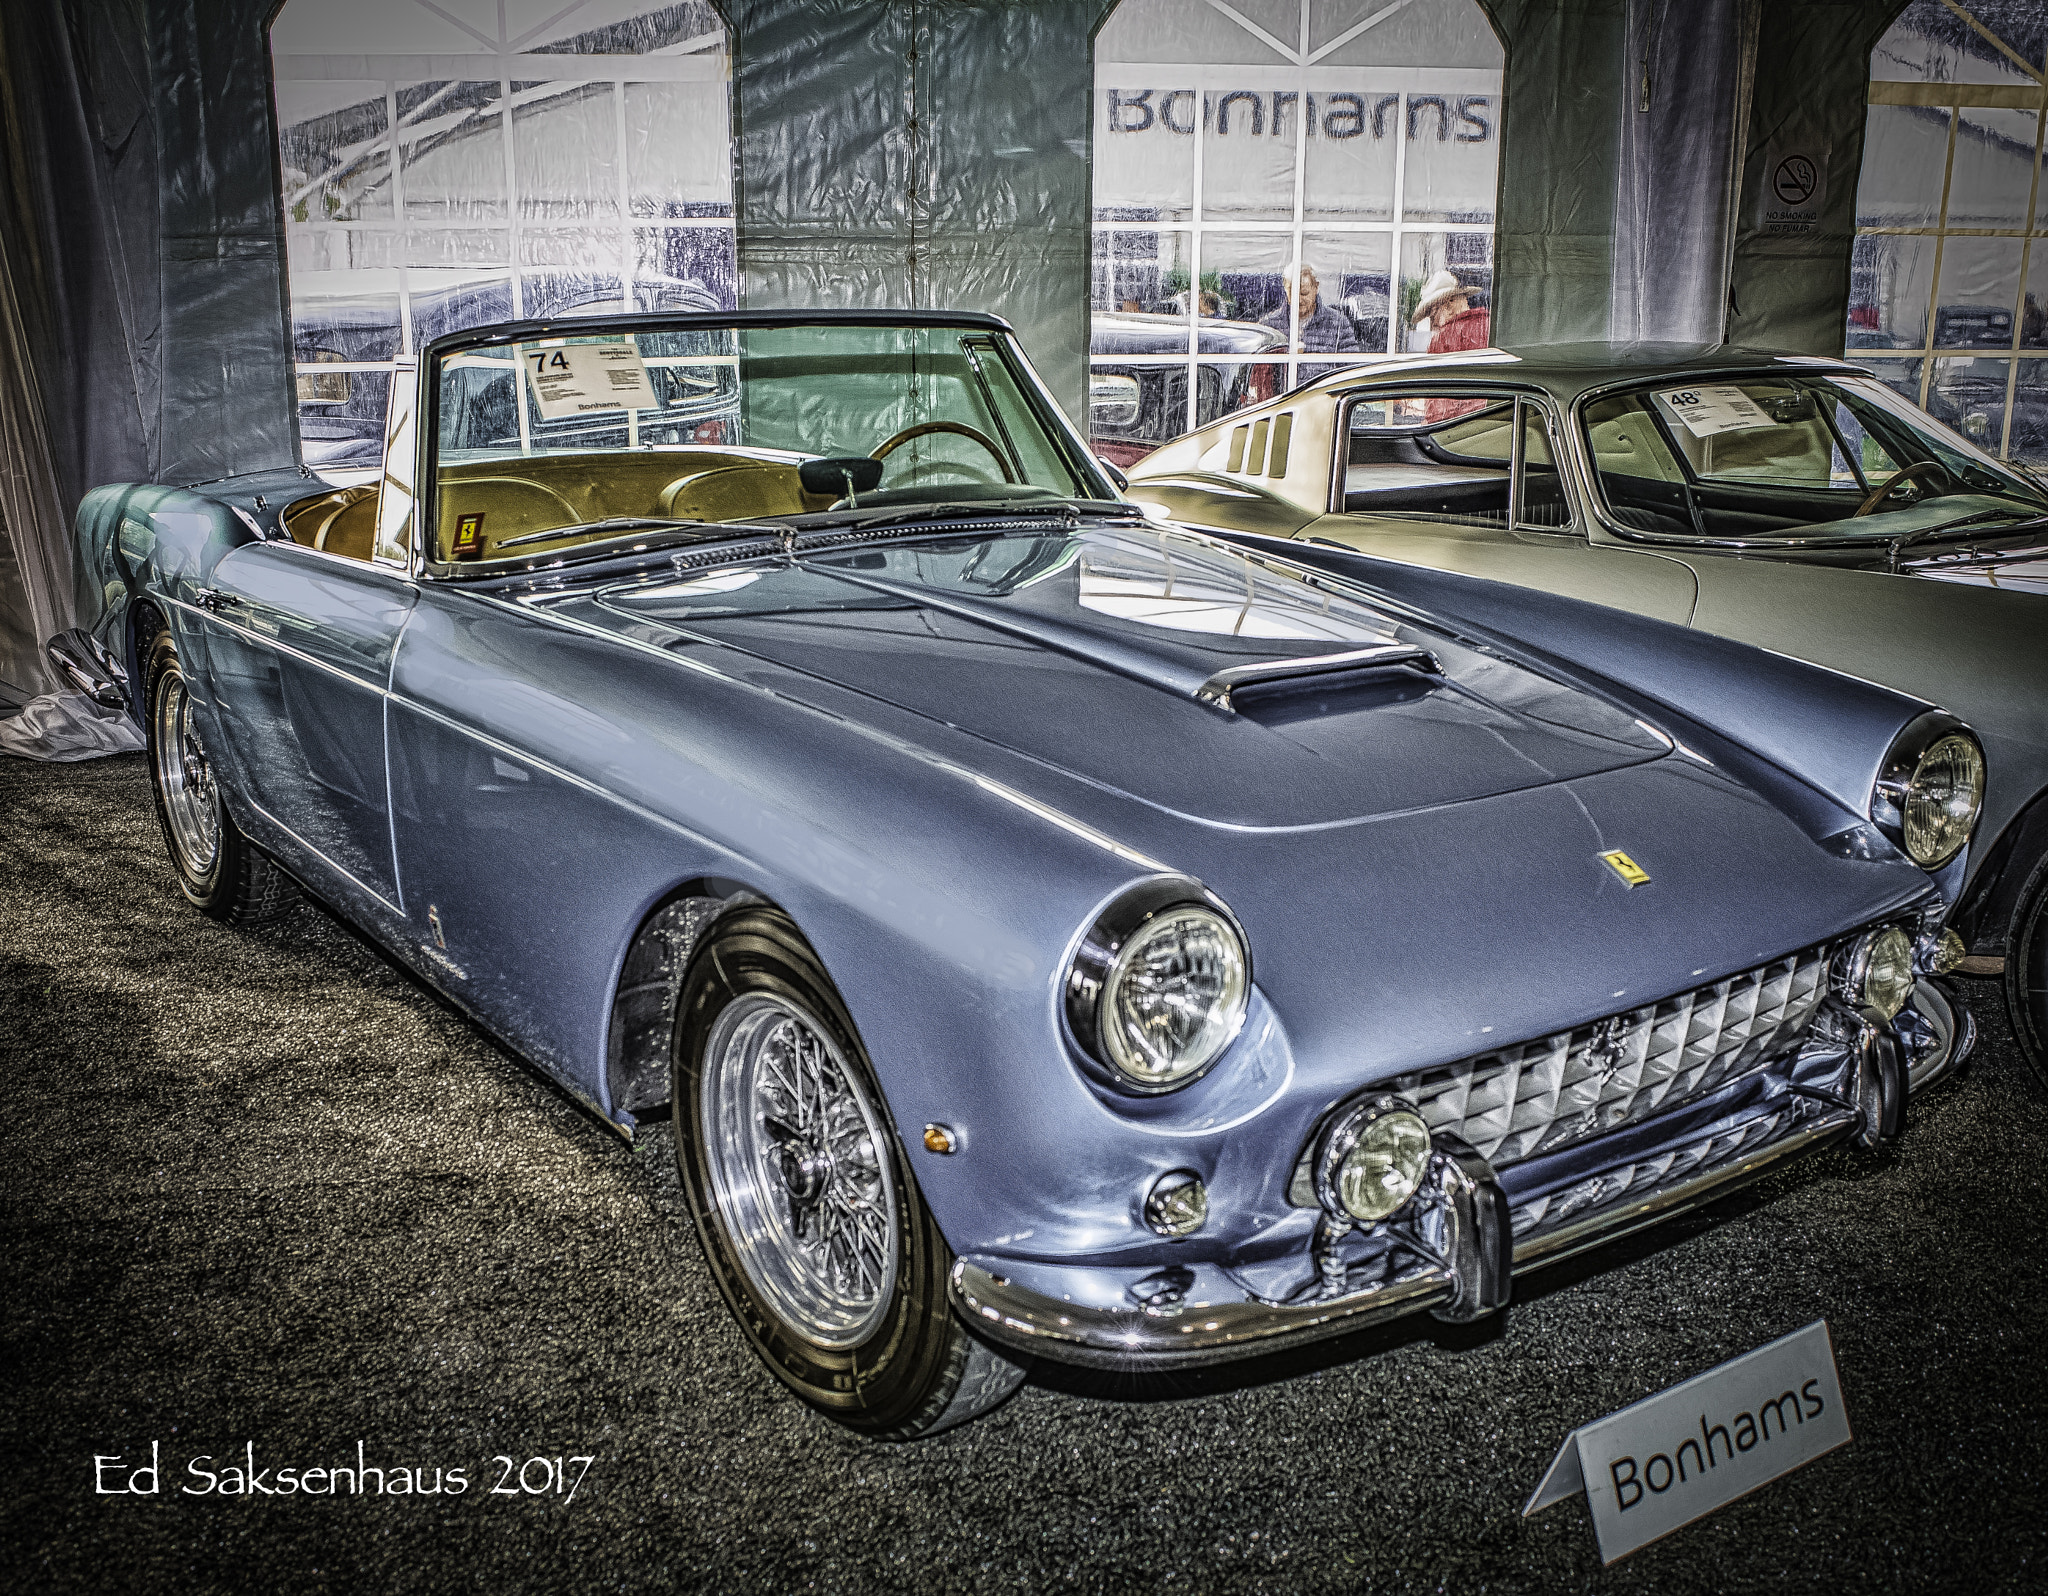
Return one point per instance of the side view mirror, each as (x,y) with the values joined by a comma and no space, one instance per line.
(1115,473)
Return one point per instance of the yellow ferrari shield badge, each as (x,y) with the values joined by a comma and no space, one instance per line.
(1631,873)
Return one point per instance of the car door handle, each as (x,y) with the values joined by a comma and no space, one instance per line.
(211,598)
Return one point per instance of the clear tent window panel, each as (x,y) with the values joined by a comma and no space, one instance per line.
(1949,212)
(448,163)
(1233,142)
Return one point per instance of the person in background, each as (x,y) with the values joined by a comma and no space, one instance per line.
(1325,330)
(1454,323)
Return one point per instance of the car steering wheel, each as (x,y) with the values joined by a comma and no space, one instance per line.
(1915,472)
(897,440)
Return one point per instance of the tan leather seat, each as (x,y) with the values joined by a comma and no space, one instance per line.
(352,532)
(734,493)
(343,522)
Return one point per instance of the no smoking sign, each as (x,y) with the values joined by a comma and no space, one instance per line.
(1795,189)
(1795,180)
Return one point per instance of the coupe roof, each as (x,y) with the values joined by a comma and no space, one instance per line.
(1568,370)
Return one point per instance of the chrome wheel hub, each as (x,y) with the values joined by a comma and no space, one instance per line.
(185,778)
(798,1170)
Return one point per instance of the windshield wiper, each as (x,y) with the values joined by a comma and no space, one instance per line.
(1922,534)
(967,510)
(635,523)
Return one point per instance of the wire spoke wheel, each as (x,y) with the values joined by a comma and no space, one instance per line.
(810,1213)
(185,779)
(797,1169)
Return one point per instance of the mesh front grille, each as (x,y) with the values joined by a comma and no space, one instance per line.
(1542,1095)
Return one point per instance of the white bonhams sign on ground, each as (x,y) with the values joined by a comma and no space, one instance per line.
(1680,1454)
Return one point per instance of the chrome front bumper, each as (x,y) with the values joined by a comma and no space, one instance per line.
(1182,1330)
(1189,1335)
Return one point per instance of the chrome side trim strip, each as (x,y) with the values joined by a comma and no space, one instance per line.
(1133,1339)
(213,617)
(1607,1224)
(327,859)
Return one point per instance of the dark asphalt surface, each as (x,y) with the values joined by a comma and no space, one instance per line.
(263,1190)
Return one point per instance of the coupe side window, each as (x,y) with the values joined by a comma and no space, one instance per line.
(1452,457)
(1764,432)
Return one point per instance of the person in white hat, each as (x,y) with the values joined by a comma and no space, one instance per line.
(1455,322)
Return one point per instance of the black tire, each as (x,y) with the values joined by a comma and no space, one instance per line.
(2026,972)
(231,880)
(913,1370)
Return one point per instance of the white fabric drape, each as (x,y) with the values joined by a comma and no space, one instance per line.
(65,726)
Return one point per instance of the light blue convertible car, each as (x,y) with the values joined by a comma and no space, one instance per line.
(1054,933)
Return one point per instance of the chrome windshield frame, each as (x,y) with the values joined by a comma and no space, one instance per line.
(1069,445)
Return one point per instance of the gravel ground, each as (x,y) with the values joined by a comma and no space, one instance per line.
(263,1191)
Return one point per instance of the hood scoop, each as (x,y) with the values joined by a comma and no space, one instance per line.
(1217,690)
(1146,664)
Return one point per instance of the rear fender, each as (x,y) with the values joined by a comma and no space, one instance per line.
(148,548)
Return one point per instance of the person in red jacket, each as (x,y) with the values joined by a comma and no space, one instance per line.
(1455,324)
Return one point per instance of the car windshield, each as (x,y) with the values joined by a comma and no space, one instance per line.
(1744,457)
(545,443)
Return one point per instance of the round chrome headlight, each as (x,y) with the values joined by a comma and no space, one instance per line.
(1160,985)
(1370,1160)
(1932,789)
(1876,975)
(1943,796)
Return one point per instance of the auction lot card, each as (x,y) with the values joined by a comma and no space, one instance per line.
(576,379)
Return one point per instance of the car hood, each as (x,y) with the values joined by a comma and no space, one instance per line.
(1085,649)
(1137,333)
(2013,569)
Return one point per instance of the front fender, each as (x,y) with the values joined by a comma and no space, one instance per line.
(1830,730)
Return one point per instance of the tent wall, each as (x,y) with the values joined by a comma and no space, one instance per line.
(1790,289)
(227,399)
(1560,153)
(922,154)
(929,153)
(78,305)
(1634,187)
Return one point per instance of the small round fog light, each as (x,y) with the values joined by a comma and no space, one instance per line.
(1877,976)
(1177,1204)
(1888,981)
(1371,1160)
(1949,952)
